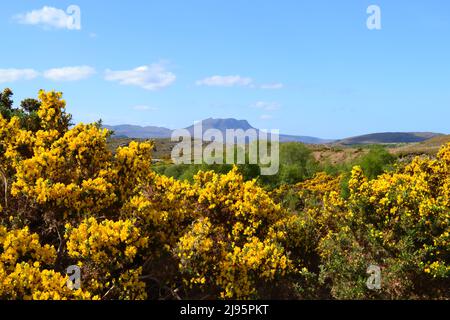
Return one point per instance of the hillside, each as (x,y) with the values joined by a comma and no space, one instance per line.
(389,137)
(429,147)
(131,131)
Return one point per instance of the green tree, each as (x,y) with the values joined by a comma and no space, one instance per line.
(30,105)
(296,163)
(6,103)
(376,161)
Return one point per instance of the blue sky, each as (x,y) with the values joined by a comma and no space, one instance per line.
(304,67)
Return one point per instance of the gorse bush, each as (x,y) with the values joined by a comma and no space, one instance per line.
(66,199)
(400,221)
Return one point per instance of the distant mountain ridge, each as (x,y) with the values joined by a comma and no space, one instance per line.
(222,125)
(148,132)
(154,132)
(138,132)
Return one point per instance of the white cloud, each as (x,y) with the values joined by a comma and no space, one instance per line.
(236,81)
(144,108)
(268,106)
(11,75)
(152,77)
(225,81)
(50,17)
(69,73)
(272,86)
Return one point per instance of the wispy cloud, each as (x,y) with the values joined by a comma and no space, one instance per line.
(236,81)
(50,17)
(266,117)
(272,86)
(151,77)
(69,73)
(144,108)
(11,75)
(266,105)
(225,81)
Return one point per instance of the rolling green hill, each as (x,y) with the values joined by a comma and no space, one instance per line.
(389,138)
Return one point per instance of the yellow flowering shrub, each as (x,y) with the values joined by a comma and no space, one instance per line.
(30,282)
(52,112)
(229,248)
(71,175)
(63,174)
(401,221)
(136,234)
(22,246)
(131,168)
(320,185)
(105,249)
(164,208)
(309,194)
(112,243)
(15,144)
(22,269)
